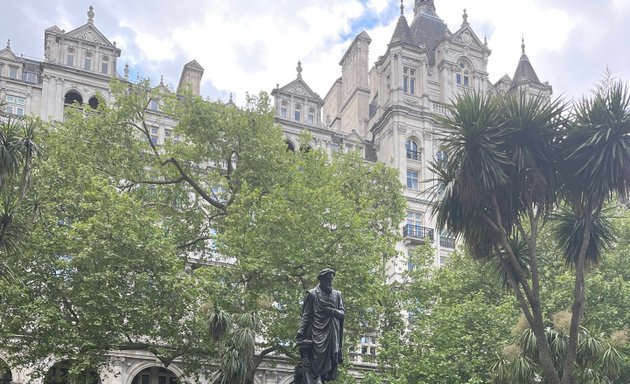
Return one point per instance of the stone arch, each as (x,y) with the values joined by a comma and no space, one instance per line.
(72,96)
(137,368)
(58,373)
(6,375)
(290,146)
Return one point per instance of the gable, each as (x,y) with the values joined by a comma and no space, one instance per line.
(89,33)
(466,36)
(299,88)
(7,54)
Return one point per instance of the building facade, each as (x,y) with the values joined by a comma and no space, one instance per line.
(385,110)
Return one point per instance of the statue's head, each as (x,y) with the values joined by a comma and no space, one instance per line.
(325,278)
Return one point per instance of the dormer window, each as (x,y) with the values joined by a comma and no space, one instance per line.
(13,71)
(462,76)
(70,57)
(105,65)
(310,118)
(87,62)
(298,112)
(154,105)
(284,107)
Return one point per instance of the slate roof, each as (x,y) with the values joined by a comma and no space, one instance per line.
(402,33)
(525,71)
(428,30)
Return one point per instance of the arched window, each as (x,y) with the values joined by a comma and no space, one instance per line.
(290,146)
(413,151)
(462,76)
(93,102)
(157,375)
(73,97)
(298,112)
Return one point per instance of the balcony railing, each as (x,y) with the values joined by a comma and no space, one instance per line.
(417,232)
(447,242)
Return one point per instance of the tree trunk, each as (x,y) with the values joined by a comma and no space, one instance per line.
(579,298)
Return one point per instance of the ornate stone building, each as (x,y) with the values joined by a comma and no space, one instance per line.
(385,110)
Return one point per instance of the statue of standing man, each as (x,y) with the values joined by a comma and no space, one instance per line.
(320,333)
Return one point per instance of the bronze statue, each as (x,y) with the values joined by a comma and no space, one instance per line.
(320,334)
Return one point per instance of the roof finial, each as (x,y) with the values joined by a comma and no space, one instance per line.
(299,69)
(402,8)
(485,41)
(523,44)
(90,14)
(8,43)
(162,80)
(127,71)
(465,17)
(231,101)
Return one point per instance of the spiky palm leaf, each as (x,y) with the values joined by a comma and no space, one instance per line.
(568,229)
(597,146)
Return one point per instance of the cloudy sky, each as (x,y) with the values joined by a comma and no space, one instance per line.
(249,46)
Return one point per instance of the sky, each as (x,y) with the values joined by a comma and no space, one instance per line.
(248,46)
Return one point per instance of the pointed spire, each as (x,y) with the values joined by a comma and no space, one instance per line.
(8,43)
(299,69)
(525,71)
(464,18)
(402,33)
(424,6)
(90,14)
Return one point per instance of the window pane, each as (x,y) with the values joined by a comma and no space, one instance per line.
(70,59)
(105,68)
(88,64)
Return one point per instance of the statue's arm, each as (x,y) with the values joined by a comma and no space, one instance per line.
(306,318)
(340,312)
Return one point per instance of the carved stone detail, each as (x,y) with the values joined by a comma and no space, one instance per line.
(90,36)
(299,90)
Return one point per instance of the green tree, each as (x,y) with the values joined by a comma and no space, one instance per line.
(120,217)
(512,161)
(459,315)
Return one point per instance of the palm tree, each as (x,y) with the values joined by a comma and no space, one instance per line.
(18,150)
(499,186)
(596,163)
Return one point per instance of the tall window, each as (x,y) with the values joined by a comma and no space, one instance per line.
(13,72)
(87,61)
(70,57)
(310,118)
(412,179)
(284,107)
(462,76)
(414,218)
(298,112)
(412,150)
(409,80)
(105,65)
